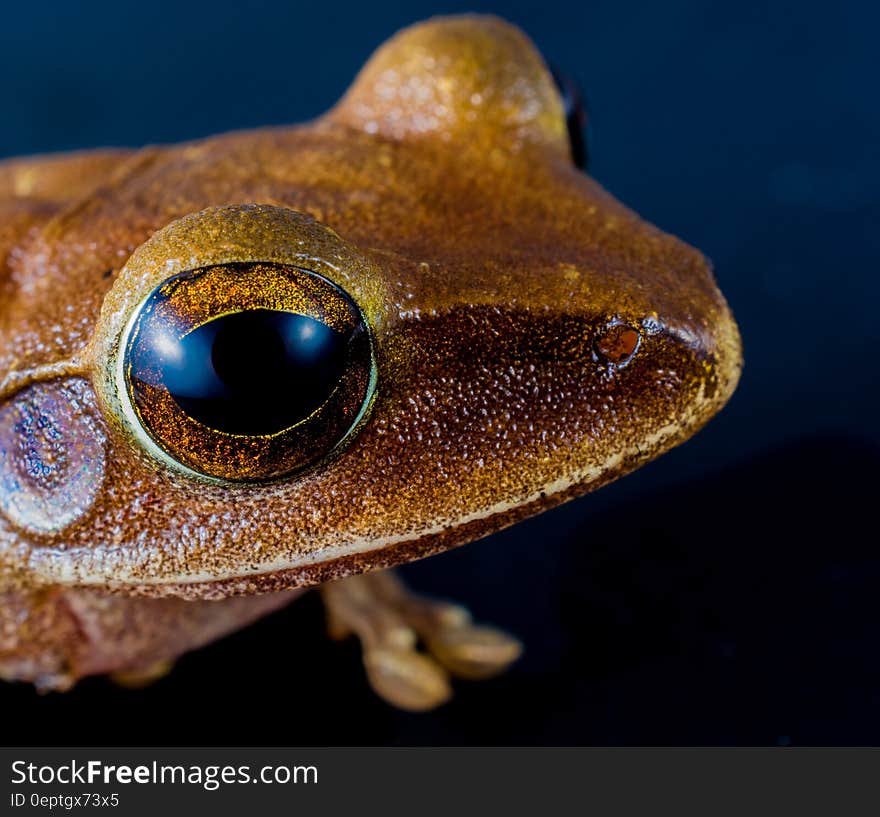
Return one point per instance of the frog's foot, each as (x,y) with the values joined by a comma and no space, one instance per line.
(390,621)
(141,677)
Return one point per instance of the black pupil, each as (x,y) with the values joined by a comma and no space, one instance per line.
(575,118)
(255,372)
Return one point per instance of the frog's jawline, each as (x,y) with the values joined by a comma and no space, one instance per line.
(428,543)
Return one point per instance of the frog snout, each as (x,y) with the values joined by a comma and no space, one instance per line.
(697,359)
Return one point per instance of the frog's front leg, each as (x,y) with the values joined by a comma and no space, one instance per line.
(391,621)
(55,636)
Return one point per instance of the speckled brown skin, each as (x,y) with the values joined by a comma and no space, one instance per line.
(53,637)
(440,194)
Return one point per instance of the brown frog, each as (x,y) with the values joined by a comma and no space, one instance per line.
(242,366)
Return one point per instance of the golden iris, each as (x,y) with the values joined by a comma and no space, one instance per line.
(248,371)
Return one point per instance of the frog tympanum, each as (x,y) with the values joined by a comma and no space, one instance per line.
(241,366)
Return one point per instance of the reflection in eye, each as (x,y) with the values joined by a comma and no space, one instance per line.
(248,371)
(252,372)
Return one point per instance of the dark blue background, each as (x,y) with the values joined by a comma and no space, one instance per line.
(724,594)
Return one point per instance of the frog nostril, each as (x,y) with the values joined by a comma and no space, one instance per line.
(618,343)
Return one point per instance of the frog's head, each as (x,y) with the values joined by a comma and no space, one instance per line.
(349,344)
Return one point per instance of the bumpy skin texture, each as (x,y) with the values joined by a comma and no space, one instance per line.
(441,195)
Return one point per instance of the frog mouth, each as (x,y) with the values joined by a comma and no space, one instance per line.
(623,392)
(356,555)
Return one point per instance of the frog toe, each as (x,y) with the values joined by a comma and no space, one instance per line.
(391,622)
(406,678)
(472,652)
(140,677)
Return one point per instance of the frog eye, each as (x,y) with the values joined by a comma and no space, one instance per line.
(246,371)
(576,119)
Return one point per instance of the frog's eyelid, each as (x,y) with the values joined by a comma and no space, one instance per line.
(479,82)
(577,119)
